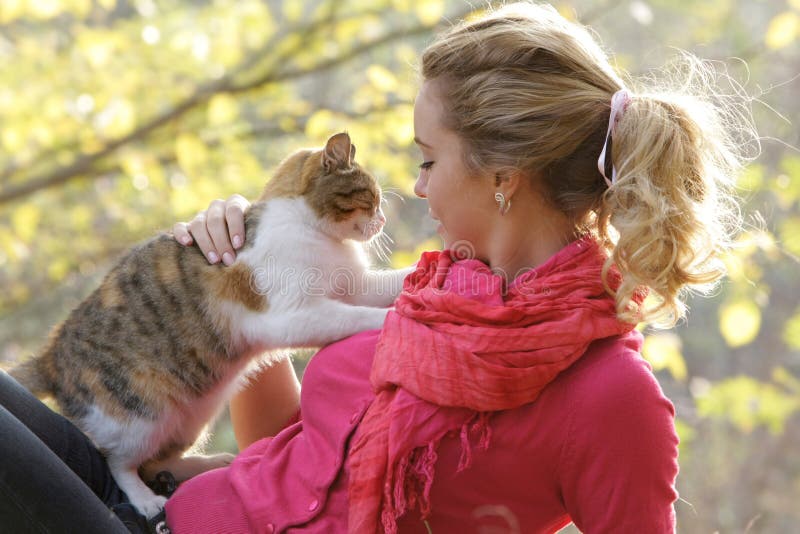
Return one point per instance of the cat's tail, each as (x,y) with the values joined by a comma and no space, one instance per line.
(29,374)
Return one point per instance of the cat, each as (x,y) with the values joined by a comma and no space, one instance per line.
(149,358)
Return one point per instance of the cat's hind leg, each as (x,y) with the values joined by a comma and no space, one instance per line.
(127,443)
(127,476)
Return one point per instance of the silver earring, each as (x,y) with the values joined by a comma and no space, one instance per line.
(504,204)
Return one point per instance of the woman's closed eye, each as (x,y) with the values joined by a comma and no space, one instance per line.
(426,165)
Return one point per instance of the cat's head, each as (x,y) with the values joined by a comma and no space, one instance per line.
(345,198)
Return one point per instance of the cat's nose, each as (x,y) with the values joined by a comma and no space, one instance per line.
(380,217)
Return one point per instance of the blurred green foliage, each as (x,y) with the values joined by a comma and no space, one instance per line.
(119,117)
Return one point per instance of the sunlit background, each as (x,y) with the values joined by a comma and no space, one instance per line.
(120,117)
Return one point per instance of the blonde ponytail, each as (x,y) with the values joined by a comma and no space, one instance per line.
(671,209)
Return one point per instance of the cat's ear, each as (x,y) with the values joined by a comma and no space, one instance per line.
(338,152)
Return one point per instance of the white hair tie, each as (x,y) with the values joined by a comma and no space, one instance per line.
(619,103)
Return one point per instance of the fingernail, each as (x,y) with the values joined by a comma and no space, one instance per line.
(185,240)
(212,257)
(237,241)
(227,258)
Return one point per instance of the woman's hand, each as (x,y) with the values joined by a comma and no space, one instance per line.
(218,231)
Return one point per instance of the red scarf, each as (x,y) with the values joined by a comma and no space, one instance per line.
(457,348)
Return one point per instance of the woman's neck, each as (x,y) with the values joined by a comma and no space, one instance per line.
(526,238)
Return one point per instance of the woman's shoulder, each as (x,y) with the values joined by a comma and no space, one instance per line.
(612,370)
(615,399)
(609,393)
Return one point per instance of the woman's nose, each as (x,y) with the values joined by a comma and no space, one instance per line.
(421,186)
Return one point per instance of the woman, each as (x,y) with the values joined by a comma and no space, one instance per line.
(519,400)
(506,390)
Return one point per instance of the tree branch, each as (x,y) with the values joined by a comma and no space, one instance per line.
(256,131)
(83,164)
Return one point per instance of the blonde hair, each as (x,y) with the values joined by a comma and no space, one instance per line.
(527,90)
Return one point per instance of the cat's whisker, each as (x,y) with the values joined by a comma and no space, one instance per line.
(394,193)
(381,247)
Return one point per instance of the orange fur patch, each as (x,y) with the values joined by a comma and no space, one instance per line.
(235,284)
(166,269)
(110,294)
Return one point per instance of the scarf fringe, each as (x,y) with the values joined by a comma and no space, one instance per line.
(479,425)
(412,477)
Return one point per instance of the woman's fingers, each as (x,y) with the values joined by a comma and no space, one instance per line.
(235,207)
(181,233)
(217,225)
(218,231)
(199,232)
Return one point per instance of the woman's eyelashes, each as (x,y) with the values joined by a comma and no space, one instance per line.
(426,165)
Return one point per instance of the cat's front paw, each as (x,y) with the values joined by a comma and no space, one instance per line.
(150,506)
(376,319)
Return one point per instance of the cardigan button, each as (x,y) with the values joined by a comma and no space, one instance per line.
(270,528)
(313,505)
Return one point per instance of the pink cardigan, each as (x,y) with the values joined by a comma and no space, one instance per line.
(598,447)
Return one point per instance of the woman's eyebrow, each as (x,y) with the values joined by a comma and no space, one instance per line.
(419,141)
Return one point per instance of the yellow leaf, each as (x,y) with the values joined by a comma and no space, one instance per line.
(108,5)
(791,331)
(382,78)
(748,403)
(429,12)
(191,152)
(403,6)
(58,269)
(97,47)
(790,235)
(400,125)
(477,14)
(663,351)
(321,124)
(785,378)
(288,124)
(45,9)
(78,8)
(752,178)
(222,109)
(685,432)
(293,10)
(13,140)
(782,30)
(566,11)
(117,119)
(11,10)
(80,217)
(739,322)
(25,220)
(405,258)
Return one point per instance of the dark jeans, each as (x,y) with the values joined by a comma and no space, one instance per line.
(52,478)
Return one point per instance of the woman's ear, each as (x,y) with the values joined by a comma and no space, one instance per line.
(507,182)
